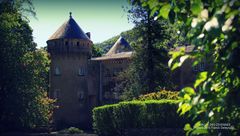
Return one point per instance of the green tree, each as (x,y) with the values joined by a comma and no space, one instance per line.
(213,27)
(149,71)
(96,51)
(24,70)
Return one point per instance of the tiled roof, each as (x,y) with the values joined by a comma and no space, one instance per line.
(121,49)
(121,55)
(69,29)
(121,45)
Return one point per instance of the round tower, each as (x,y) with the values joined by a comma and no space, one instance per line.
(70,38)
(69,48)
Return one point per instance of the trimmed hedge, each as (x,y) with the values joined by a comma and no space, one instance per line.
(114,119)
(71,130)
(163,94)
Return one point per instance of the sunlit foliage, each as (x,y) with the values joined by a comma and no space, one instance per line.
(213,28)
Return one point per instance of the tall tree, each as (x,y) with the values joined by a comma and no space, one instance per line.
(141,17)
(23,70)
(148,71)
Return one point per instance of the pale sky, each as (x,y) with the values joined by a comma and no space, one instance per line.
(103,18)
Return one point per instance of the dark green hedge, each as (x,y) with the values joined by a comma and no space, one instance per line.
(114,119)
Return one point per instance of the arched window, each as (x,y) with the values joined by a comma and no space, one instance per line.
(81,71)
(57,71)
(80,95)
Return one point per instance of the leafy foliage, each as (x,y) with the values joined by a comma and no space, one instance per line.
(113,119)
(24,73)
(163,94)
(96,51)
(213,27)
(148,71)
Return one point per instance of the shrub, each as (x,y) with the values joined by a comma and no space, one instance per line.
(103,120)
(128,115)
(113,119)
(71,130)
(163,94)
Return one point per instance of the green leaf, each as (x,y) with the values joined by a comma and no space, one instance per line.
(202,76)
(176,9)
(198,124)
(164,11)
(187,127)
(196,7)
(198,131)
(175,65)
(152,4)
(185,107)
(186,97)
(189,90)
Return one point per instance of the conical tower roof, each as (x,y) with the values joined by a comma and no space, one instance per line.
(69,30)
(121,45)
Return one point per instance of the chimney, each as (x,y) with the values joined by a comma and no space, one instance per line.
(89,35)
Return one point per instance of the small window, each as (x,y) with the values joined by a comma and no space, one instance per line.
(81,71)
(77,43)
(80,95)
(57,71)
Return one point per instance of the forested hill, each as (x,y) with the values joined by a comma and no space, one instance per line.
(129,36)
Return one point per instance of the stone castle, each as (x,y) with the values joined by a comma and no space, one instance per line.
(79,82)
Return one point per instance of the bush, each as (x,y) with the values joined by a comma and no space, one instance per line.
(71,130)
(114,119)
(103,120)
(163,94)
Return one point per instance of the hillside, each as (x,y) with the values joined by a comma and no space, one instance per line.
(106,45)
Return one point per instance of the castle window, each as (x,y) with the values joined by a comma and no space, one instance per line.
(81,71)
(80,95)
(57,71)
(77,43)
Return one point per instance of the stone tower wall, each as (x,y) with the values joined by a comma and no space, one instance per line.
(68,80)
